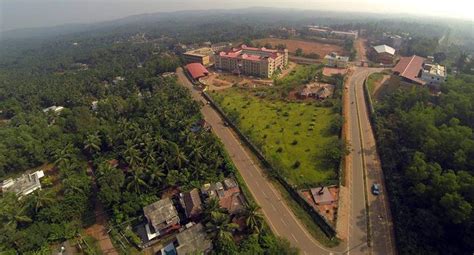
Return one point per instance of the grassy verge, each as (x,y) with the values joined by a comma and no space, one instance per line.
(372,80)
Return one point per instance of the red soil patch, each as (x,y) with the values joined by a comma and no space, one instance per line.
(328,71)
(322,49)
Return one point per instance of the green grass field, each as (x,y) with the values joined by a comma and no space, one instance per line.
(372,80)
(286,132)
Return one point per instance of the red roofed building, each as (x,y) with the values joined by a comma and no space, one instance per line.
(196,71)
(409,69)
(261,62)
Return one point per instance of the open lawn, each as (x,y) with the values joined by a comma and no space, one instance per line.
(322,49)
(286,132)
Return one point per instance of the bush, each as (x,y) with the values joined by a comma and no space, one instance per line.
(294,142)
(280,149)
(296,164)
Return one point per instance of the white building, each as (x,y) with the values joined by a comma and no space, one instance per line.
(23,185)
(334,60)
(433,74)
(54,108)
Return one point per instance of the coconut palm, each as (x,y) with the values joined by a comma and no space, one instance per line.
(136,183)
(39,199)
(176,155)
(220,227)
(210,206)
(92,143)
(132,154)
(253,217)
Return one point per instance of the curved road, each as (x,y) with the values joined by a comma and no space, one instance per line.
(280,218)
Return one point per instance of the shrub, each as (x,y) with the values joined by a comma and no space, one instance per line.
(280,149)
(296,164)
(298,124)
(294,142)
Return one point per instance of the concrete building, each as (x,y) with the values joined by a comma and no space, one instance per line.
(334,60)
(201,55)
(330,33)
(322,196)
(192,240)
(433,74)
(382,54)
(246,60)
(162,217)
(23,185)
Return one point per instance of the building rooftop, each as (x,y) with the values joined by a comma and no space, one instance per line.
(161,214)
(196,70)
(228,194)
(250,53)
(334,56)
(54,108)
(435,69)
(193,240)
(384,49)
(23,185)
(321,195)
(192,203)
(409,68)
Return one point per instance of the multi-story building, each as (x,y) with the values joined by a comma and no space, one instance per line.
(201,55)
(330,33)
(261,62)
(433,74)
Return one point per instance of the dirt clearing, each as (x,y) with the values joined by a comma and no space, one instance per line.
(322,49)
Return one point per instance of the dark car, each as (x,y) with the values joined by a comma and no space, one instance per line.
(375,189)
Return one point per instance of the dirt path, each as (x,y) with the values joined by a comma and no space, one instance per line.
(99,229)
(361,50)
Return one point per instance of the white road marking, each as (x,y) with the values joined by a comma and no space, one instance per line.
(294,237)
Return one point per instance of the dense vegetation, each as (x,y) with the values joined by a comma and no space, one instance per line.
(427,149)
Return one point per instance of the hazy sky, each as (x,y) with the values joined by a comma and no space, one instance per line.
(34,13)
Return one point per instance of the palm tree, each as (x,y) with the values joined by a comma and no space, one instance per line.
(220,227)
(136,183)
(40,199)
(212,205)
(63,156)
(92,143)
(13,211)
(177,156)
(132,154)
(253,217)
(155,175)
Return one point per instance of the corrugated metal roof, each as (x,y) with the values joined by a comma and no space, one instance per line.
(196,70)
(384,48)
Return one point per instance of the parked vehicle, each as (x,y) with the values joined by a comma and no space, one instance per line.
(375,189)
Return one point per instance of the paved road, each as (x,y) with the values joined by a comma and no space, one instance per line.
(361,131)
(280,217)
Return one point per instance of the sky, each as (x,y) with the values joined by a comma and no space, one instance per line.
(40,13)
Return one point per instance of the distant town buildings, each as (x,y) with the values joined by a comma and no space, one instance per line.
(201,56)
(330,33)
(382,54)
(23,185)
(334,60)
(316,90)
(260,62)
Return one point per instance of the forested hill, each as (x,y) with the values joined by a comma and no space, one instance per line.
(427,149)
